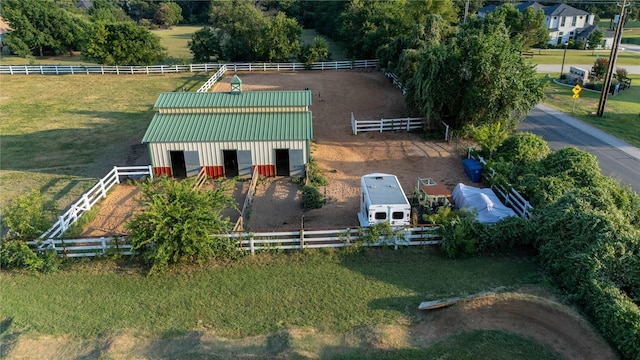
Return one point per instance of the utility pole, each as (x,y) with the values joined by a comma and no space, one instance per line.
(466,11)
(612,59)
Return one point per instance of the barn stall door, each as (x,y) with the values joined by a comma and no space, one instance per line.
(282,162)
(192,163)
(178,165)
(244,162)
(230,163)
(296,162)
(184,163)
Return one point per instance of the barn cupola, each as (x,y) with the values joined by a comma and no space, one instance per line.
(236,85)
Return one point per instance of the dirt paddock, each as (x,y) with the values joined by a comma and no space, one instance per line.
(342,156)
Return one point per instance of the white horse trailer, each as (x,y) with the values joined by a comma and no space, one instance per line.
(382,199)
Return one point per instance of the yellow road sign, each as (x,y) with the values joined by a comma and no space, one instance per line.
(576,89)
(575,96)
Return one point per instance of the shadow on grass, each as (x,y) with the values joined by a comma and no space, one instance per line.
(8,338)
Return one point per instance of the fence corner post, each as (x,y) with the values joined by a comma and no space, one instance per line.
(151,172)
(115,172)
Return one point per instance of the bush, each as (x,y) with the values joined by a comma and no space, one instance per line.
(16,254)
(312,198)
(460,232)
(178,223)
(28,216)
(523,147)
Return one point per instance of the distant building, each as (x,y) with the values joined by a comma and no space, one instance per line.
(4,28)
(563,22)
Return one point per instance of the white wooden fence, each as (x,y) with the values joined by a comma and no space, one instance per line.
(167,69)
(91,197)
(403,124)
(510,196)
(395,80)
(212,80)
(252,242)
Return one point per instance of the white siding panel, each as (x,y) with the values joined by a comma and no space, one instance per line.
(210,154)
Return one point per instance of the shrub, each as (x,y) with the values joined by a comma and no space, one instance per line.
(28,216)
(523,147)
(460,233)
(16,254)
(508,234)
(178,223)
(312,198)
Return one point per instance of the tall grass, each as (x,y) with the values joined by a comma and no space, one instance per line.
(329,291)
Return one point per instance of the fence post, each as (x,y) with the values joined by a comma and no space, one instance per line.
(348,236)
(103,191)
(381,122)
(150,172)
(301,239)
(251,245)
(104,245)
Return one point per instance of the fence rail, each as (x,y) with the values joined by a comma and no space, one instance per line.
(168,69)
(91,197)
(510,196)
(402,124)
(252,242)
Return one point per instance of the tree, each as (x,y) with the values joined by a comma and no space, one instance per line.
(105,10)
(600,67)
(475,78)
(41,27)
(205,44)
(527,27)
(179,223)
(595,39)
(241,24)
(123,43)
(279,39)
(366,25)
(168,14)
(316,51)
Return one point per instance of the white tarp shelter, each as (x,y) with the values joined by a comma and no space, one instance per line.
(484,202)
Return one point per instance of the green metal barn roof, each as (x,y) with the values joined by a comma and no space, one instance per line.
(227,99)
(229,127)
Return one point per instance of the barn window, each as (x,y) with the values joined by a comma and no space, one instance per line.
(397,215)
(381,216)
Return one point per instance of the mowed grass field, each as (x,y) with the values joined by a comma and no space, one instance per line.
(60,134)
(347,303)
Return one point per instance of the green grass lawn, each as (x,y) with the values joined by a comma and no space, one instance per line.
(621,114)
(176,39)
(330,291)
(62,133)
(582,57)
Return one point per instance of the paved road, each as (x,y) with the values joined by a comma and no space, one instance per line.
(615,157)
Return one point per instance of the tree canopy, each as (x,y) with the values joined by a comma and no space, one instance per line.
(476,77)
(122,43)
(41,27)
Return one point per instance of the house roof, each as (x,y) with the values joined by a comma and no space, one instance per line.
(227,99)
(563,10)
(4,26)
(551,10)
(229,127)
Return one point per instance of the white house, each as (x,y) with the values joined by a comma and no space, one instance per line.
(561,20)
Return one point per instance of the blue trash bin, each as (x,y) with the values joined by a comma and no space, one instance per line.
(472,169)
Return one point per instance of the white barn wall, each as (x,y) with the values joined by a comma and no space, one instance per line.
(210,154)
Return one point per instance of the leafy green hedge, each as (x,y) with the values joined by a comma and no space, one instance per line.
(586,228)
